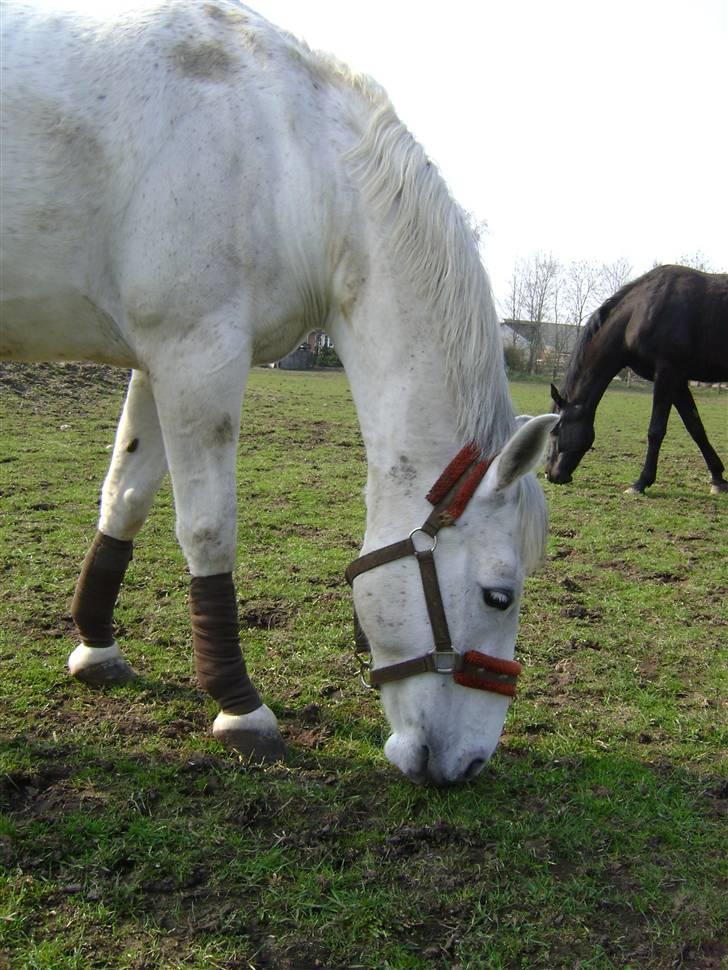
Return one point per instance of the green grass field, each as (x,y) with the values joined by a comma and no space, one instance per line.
(595,839)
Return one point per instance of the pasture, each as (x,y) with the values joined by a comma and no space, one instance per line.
(129,839)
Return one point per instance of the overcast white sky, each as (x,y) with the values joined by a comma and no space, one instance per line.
(587,129)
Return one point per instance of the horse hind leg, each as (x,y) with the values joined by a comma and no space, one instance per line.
(137,467)
(685,404)
(200,418)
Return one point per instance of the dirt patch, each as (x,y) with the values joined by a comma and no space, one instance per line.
(79,381)
(265,616)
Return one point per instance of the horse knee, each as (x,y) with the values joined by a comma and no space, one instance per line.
(209,543)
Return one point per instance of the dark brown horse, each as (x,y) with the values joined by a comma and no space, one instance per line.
(670,326)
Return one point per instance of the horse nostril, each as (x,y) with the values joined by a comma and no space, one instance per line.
(474,768)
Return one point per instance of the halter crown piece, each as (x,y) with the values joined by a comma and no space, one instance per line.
(450,496)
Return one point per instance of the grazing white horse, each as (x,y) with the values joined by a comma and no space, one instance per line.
(187,191)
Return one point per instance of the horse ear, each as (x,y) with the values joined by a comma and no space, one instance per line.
(522,454)
(558,400)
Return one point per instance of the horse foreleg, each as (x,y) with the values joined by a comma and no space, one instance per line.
(137,467)
(661,404)
(199,408)
(685,404)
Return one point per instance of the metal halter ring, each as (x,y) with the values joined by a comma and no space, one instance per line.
(365,666)
(432,539)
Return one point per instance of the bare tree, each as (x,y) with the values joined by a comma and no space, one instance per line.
(614,276)
(583,285)
(514,300)
(698,260)
(539,277)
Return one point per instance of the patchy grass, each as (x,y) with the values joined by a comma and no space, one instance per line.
(128,839)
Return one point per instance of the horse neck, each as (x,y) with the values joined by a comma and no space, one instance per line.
(599,359)
(415,327)
(407,414)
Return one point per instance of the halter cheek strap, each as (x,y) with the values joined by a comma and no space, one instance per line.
(450,496)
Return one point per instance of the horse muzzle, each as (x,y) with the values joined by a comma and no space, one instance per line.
(431,764)
(558,477)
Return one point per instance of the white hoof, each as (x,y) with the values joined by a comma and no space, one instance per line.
(633,491)
(100,666)
(254,735)
(719,488)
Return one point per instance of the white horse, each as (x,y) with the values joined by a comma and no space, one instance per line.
(187,191)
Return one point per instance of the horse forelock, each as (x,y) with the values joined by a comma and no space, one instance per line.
(433,242)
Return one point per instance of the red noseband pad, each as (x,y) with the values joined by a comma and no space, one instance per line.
(483,672)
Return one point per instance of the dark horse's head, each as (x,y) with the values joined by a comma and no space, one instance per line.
(572,437)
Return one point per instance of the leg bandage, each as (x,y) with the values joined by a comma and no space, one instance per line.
(98,587)
(218,659)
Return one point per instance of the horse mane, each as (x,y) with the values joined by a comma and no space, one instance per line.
(593,325)
(434,243)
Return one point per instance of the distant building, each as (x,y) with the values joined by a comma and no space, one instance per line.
(305,355)
(543,344)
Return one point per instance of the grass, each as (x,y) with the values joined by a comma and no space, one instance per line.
(128,839)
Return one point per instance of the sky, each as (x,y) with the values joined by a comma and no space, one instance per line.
(590,130)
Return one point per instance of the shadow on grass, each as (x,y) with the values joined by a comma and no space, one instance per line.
(599,859)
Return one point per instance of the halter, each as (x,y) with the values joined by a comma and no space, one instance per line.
(449,495)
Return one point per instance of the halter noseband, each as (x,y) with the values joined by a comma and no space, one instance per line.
(449,495)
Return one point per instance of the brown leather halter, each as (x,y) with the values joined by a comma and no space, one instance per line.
(449,495)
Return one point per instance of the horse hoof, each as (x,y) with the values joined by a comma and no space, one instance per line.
(255,735)
(717,487)
(100,666)
(633,491)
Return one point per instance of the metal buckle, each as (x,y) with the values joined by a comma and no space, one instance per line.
(444,661)
(364,668)
(431,539)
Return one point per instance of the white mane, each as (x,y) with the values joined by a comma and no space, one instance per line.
(433,241)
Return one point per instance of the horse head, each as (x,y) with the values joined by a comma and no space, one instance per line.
(446,707)
(571,438)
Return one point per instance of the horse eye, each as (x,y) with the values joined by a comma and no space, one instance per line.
(498,599)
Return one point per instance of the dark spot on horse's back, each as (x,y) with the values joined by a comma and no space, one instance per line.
(133,445)
(225,14)
(206,61)
(223,433)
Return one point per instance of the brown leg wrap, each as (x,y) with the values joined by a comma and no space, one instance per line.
(218,659)
(97,589)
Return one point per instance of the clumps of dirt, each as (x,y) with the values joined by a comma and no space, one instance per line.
(265,616)
(17,787)
(579,612)
(307,731)
(408,840)
(62,380)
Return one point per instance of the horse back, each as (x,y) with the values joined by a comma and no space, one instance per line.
(180,145)
(677,318)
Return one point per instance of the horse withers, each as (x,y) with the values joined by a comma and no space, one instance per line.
(670,326)
(187,192)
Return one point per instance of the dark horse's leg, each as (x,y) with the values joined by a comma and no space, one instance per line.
(662,399)
(685,405)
